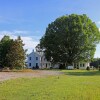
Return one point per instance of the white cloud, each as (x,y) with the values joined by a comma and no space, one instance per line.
(98,22)
(97,53)
(6,33)
(99,29)
(15,32)
(20,32)
(29,41)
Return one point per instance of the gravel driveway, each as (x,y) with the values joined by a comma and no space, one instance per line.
(36,73)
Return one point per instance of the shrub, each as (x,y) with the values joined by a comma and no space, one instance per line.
(99,67)
(6,69)
(62,66)
(88,68)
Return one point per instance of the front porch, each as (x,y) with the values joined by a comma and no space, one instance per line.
(81,65)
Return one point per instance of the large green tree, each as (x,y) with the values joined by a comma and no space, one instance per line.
(70,38)
(16,55)
(4,49)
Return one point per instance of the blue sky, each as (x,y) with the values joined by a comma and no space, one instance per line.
(29,18)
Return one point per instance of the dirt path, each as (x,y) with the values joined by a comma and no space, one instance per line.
(36,73)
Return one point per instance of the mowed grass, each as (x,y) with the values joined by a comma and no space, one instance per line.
(72,85)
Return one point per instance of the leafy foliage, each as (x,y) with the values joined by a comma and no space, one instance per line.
(4,49)
(70,38)
(95,62)
(16,54)
(88,68)
(12,53)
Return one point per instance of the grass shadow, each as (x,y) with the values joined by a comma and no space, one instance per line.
(88,73)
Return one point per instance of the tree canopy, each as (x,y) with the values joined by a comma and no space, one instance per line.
(12,54)
(70,38)
(16,54)
(4,49)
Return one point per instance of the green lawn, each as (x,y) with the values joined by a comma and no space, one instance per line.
(73,85)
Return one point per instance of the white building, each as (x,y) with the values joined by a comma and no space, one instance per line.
(38,60)
(81,65)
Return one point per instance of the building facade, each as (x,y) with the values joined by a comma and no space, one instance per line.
(37,60)
(81,65)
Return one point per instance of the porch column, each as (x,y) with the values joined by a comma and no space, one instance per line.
(73,65)
(79,65)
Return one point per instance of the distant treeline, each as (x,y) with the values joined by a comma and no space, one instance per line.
(95,62)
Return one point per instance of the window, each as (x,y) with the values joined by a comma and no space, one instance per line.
(46,65)
(36,58)
(29,64)
(29,58)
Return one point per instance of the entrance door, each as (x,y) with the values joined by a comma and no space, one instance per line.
(37,65)
(46,65)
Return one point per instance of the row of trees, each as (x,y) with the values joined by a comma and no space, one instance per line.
(95,62)
(12,54)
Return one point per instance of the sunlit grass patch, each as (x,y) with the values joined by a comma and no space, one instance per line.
(63,87)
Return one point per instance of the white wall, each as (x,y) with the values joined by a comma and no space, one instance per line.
(45,63)
(55,66)
(84,65)
(42,63)
(33,60)
(81,65)
(30,61)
